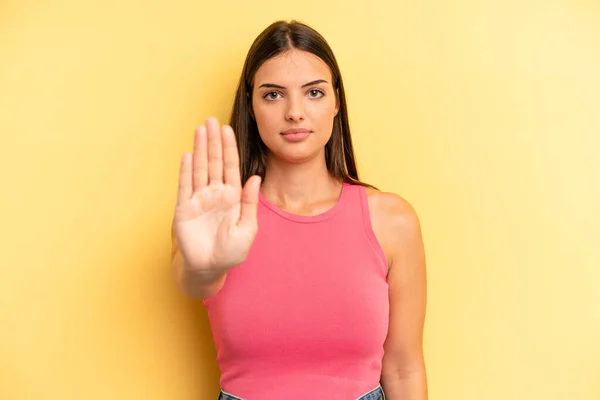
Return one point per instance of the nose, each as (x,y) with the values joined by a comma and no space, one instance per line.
(295,109)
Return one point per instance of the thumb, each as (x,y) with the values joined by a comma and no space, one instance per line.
(250,193)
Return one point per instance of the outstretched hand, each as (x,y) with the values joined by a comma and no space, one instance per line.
(215,218)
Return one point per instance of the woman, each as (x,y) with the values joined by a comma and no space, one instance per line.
(314,282)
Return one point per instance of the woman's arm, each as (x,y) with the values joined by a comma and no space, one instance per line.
(404,374)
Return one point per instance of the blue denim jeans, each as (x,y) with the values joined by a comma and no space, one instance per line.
(375,394)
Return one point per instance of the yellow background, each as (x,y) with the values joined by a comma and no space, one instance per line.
(485,115)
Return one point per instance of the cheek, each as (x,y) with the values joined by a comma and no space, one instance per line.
(325,109)
(264,119)
(261,114)
(322,115)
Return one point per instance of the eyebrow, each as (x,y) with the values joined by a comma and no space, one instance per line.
(272,85)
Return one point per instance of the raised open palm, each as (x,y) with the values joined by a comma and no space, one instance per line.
(215,219)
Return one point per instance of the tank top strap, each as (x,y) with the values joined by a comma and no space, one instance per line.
(357,210)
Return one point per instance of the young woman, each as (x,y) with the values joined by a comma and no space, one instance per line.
(314,281)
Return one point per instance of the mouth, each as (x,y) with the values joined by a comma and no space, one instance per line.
(295,131)
(296,135)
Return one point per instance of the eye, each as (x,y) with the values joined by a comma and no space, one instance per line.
(316,93)
(269,96)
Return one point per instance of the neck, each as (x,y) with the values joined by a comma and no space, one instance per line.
(296,185)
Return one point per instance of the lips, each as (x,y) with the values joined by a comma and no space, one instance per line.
(295,131)
(295,135)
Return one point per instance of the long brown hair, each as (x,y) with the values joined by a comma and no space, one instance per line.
(277,38)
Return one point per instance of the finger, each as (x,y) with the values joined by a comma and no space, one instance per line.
(231,157)
(250,195)
(215,152)
(185,179)
(200,168)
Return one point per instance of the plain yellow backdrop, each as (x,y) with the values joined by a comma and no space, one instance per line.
(485,115)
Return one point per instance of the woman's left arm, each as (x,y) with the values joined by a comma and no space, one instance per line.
(404,374)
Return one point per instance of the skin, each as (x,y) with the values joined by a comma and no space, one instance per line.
(296,175)
(297,181)
(396,226)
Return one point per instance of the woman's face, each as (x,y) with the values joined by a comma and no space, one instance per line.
(294,91)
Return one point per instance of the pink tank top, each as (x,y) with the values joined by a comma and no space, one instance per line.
(306,314)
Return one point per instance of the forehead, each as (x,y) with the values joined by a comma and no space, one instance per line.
(292,67)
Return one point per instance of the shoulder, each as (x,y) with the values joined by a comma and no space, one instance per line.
(394,220)
(390,205)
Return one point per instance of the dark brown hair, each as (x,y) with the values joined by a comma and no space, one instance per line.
(277,38)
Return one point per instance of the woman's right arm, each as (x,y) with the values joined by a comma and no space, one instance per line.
(215,219)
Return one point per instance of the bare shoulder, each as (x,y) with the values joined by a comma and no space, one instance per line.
(394,220)
(390,204)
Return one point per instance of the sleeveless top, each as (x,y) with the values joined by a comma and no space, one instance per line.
(308,310)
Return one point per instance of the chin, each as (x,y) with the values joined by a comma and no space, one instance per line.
(298,156)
